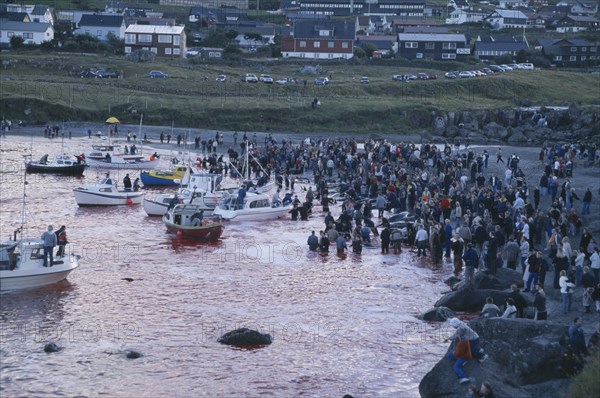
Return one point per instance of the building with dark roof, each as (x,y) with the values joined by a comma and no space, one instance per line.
(320,40)
(577,23)
(100,25)
(489,47)
(569,51)
(31,32)
(431,46)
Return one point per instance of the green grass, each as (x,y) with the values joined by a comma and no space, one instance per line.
(49,85)
(586,383)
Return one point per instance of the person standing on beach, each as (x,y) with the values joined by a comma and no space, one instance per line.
(421,241)
(577,339)
(539,303)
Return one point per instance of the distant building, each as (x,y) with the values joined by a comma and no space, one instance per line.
(320,40)
(511,4)
(577,23)
(405,8)
(386,43)
(437,47)
(565,51)
(581,7)
(37,13)
(502,19)
(164,41)
(31,32)
(488,47)
(100,25)
(461,16)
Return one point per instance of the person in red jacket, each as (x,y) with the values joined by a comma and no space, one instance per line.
(462,353)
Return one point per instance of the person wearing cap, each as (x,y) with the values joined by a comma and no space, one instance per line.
(463,330)
(50,241)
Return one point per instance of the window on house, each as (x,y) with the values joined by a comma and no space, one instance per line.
(27,36)
(448,56)
(330,44)
(176,51)
(573,58)
(154,50)
(411,44)
(419,56)
(449,46)
(165,38)
(10,34)
(317,44)
(176,40)
(558,57)
(573,49)
(592,57)
(583,57)
(130,38)
(429,45)
(345,44)
(302,44)
(593,49)
(145,38)
(127,49)
(583,49)
(168,51)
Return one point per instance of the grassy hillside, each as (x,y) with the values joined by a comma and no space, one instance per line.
(49,86)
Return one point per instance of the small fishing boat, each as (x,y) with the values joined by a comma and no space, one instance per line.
(255,207)
(202,189)
(105,193)
(112,157)
(187,222)
(172,177)
(60,164)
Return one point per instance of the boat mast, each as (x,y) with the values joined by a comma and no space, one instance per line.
(140,133)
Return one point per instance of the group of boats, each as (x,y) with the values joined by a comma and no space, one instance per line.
(196,210)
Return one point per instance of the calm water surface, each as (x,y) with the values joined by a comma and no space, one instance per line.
(340,325)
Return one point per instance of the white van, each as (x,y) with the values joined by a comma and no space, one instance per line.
(526,66)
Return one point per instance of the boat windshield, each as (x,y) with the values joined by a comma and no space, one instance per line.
(106,181)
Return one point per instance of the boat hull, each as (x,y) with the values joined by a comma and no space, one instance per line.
(252,214)
(32,277)
(76,169)
(172,180)
(155,207)
(119,164)
(208,233)
(83,197)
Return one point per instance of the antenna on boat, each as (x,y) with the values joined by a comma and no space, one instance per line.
(140,133)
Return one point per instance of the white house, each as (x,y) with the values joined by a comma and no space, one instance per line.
(460,16)
(99,26)
(501,19)
(512,3)
(31,32)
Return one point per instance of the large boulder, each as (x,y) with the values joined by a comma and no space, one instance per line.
(470,300)
(245,337)
(525,357)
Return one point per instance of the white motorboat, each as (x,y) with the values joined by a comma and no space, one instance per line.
(105,193)
(256,207)
(202,189)
(21,265)
(112,157)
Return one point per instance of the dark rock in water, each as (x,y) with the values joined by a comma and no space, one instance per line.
(127,279)
(133,355)
(502,280)
(470,300)
(51,347)
(438,314)
(525,360)
(245,337)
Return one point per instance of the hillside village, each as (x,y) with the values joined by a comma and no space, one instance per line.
(564,33)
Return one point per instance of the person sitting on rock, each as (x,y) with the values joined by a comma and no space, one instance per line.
(511,309)
(462,353)
(463,330)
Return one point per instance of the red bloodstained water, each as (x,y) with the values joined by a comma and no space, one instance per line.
(340,324)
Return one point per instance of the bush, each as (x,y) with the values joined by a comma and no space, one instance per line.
(16,42)
(585,384)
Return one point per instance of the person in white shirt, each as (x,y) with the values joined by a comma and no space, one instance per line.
(421,241)
(511,309)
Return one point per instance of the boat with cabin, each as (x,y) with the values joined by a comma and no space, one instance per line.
(253,207)
(172,177)
(111,156)
(187,221)
(60,164)
(105,193)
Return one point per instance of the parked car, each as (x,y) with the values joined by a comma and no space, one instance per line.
(398,77)
(465,74)
(515,66)
(487,71)
(284,80)
(192,52)
(506,67)
(88,73)
(156,74)
(250,78)
(432,76)
(526,66)
(423,76)
(221,78)
(321,81)
(266,79)
(496,68)
(410,77)
(450,75)
(364,80)
(105,74)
